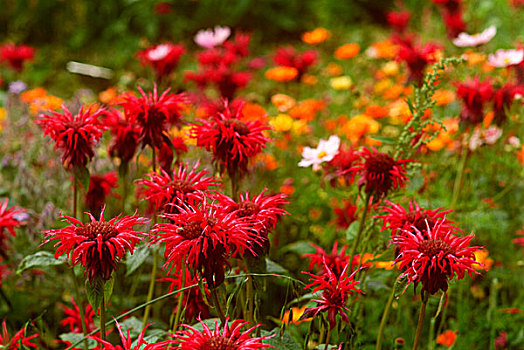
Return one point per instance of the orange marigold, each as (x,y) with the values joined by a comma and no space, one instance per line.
(447,338)
(316,36)
(443,97)
(282,73)
(347,51)
(252,112)
(283,102)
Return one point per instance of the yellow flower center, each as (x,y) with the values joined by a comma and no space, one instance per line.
(322,155)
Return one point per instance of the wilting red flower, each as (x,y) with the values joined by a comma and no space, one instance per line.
(16,55)
(232,141)
(336,169)
(239,47)
(399,20)
(76,135)
(168,190)
(400,220)
(288,57)
(434,258)
(503,99)
(231,337)
(335,262)
(73,321)
(9,219)
(127,343)
(379,172)
(99,188)
(474,94)
(98,245)
(153,114)
(126,135)
(335,291)
(345,215)
(203,237)
(17,341)
(162,57)
(417,57)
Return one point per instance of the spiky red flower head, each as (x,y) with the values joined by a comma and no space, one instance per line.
(399,20)
(129,344)
(97,245)
(203,237)
(17,341)
(345,215)
(379,172)
(399,220)
(9,219)
(16,55)
(183,185)
(336,169)
(73,321)
(162,57)
(239,47)
(76,135)
(417,57)
(154,114)
(232,141)
(335,262)
(503,99)
(99,189)
(230,337)
(125,135)
(335,292)
(434,258)
(474,93)
(289,57)
(226,79)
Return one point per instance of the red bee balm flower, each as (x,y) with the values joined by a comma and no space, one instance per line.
(288,57)
(230,338)
(98,245)
(474,94)
(435,258)
(379,172)
(125,134)
(416,57)
(399,20)
(231,140)
(9,219)
(72,318)
(17,341)
(204,237)
(335,262)
(162,57)
(99,188)
(127,343)
(153,114)
(335,291)
(503,99)
(15,56)
(76,135)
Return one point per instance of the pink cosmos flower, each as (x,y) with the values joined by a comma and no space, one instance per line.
(505,58)
(211,38)
(466,40)
(325,152)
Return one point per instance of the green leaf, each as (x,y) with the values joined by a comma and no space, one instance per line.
(82,176)
(39,259)
(387,255)
(400,286)
(135,260)
(299,248)
(99,290)
(351,231)
(284,342)
(384,139)
(273,267)
(108,289)
(74,338)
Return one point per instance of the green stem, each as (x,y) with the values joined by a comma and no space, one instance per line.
(420,323)
(384,319)
(491,312)
(327,337)
(458,180)
(431,340)
(218,306)
(151,290)
(75,195)
(103,318)
(80,306)
(180,299)
(124,190)
(250,304)
(360,229)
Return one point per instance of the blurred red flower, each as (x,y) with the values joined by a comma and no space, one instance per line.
(335,262)
(9,219)
(125,135)
(72,318)
(474,93)
(17,341)
(162,57)
(417,57)
(16,55)
(289,57)
(399,20)
(99,188)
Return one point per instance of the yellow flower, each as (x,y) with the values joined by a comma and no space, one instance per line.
(300,127)
(481,256)
(281,123)
(3,113)
(341,83)
(382,86)
(297,312)
(391,68)
(359,126)
(316,36)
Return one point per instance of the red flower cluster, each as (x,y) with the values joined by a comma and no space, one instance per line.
(231,337)
(162,57)
(73,321)
(17,341)
(217,67)
(503,99)
(125,135)
(76,135)
(474,94)
(417,57)
(435,257)
(8,222)
(128,344)
(452,13)
(99,188)
(335,262)
(399,20)
(16,55)
(337,168)
(232,141)
(289,57)
(98,245)
(346,214)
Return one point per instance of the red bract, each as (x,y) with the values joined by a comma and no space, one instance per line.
(503,99)
(8,222)
(203,237)
(379,172)
(434,258)
(417,57)
(16,55)
(73,321)
(99,188)
(125,135)
(162,57)
(17,341)
(474,94)
(288,56)
(98,245)
(400,220)
(76,135)
(154,114)
(335,291)
(166,190)
(127,343)
(229,338)
(335,262)
(232,141)
(399,20)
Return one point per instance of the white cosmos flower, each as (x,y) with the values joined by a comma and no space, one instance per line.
(325,151)
(466,40)
(505,58)
(211,38)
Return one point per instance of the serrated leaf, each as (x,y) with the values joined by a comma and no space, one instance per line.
(384,139)
(82,176)
(99,290)
(108,289)
(284,342)
(39,259)
(135,260)
(74,338)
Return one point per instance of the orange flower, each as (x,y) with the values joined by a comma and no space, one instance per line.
(108,96)
(520,155)
(347,51)
(309,79)
(358,126)
(267,160)
(316,36)
(473,58)
(481,256)
(443,97)
(443,139)
(307,109)
(288,188)
(488,118)
(333,69)
(45,103)
(383,49)
(31,95)
(376,111)
(297,312)
(282,73)
(447,338)
(252,112)
(394,92)
(283,102)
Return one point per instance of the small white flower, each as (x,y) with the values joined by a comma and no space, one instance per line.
(211,38)
(492,134)
(475,141)
(325,152)
(159,53)
(505,58)
(466,40)
(514,141)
